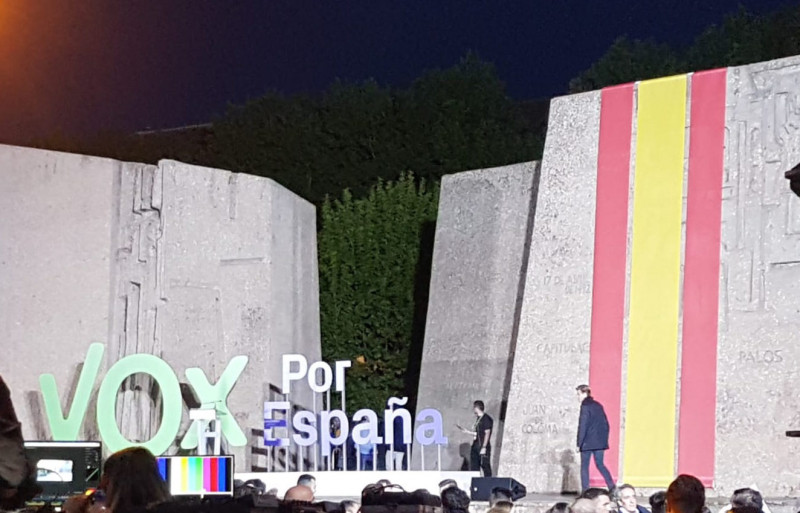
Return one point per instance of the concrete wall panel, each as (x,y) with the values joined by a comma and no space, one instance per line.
(482,235)
(759,340)
(192,264)
(58,212)
(552,349)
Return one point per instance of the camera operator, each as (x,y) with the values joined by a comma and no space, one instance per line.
(16,475)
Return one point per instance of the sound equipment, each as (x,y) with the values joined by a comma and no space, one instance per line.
(393,499)
(481,487)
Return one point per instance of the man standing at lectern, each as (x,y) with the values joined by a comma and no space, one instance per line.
(592,437)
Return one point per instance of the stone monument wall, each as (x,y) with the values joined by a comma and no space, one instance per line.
(662,271)
(482,235)
(552,349)
(759,315)
(192,264)
(56,255)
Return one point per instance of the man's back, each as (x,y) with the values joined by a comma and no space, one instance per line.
(593,426)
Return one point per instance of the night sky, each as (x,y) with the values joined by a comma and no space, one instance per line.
(78,67)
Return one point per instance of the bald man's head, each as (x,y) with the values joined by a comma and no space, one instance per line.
(299,493)
(584,506)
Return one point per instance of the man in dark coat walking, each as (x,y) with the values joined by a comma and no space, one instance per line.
(592,437)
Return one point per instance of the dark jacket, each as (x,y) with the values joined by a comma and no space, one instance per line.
(15,470)
(592,427)
(639,508)
(13,464)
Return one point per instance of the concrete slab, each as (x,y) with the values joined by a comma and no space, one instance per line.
(192,264)
(482,236)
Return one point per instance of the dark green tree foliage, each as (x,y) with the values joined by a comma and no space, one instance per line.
(312,146)
(368,262)
(460,118)
(627,61)
(744,39)
(356,134)
(193,145)
(741,39)
(350,136)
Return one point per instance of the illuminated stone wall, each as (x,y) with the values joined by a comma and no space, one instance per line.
(482,235)
(192,264)
(552,348)
(697,365)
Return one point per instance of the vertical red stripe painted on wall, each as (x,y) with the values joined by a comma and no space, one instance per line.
(610,260)
(697,420)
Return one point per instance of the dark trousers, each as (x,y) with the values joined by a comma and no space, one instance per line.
(477,461)
(598,461)
(366,461)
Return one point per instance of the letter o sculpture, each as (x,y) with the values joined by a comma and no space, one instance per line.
(172,402)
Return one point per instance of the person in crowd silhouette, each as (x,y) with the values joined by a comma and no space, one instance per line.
(17,483)
(686,494)
(131,482)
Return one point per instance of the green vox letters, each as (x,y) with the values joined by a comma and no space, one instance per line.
(67,428)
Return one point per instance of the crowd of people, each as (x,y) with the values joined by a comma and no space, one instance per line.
(131,483)
(686,494)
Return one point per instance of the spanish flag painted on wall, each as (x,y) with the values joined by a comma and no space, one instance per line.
(658,266)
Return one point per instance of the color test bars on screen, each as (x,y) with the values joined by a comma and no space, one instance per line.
(197,475)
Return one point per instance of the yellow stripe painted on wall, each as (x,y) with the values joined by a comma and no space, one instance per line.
(649,449)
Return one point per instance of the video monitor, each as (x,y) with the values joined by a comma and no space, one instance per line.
(58,471)
(65,468)
(197,475)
